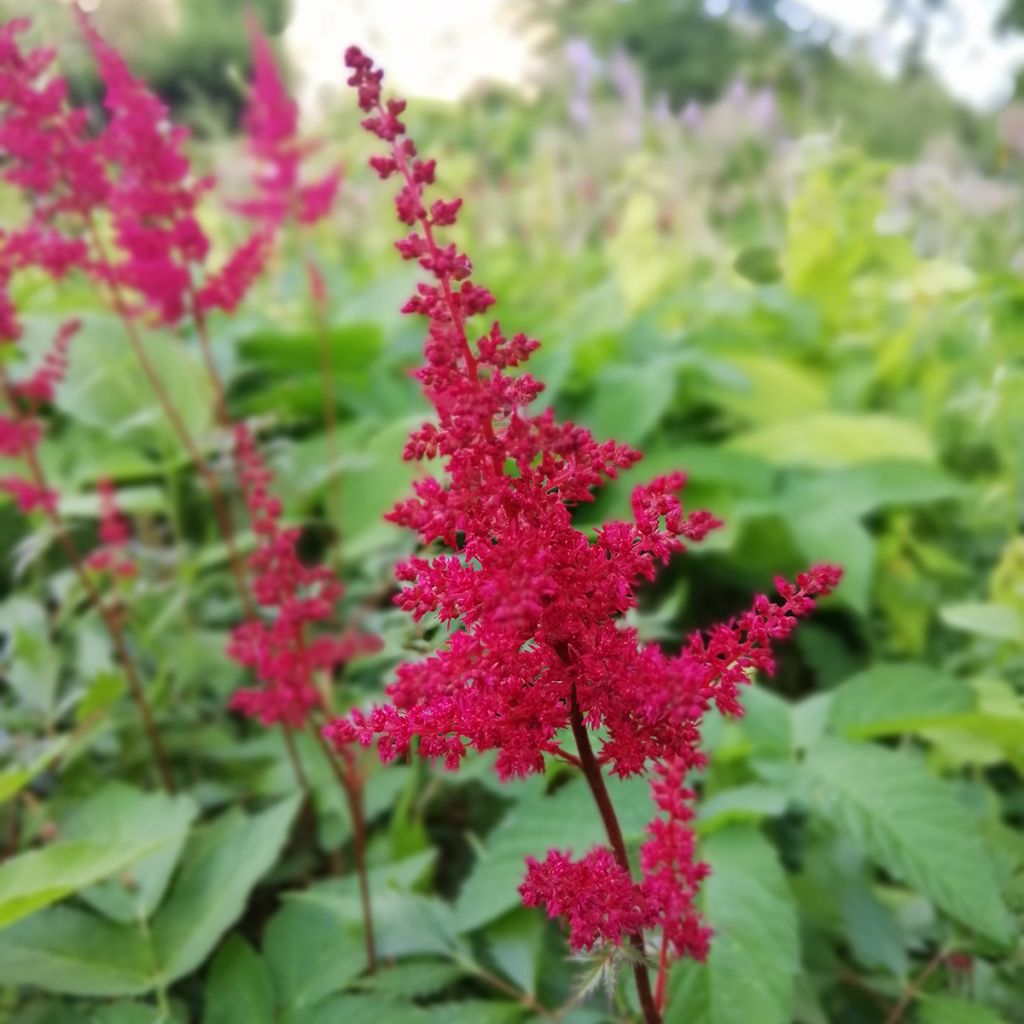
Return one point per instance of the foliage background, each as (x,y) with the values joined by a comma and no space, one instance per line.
(822,324)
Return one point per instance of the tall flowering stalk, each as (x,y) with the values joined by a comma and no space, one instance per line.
(541,651)
(286,654)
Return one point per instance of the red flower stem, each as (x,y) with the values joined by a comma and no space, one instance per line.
(659,988)
(912,990)
(592,773)
(351,785)
(94,597)
(220,508)
(220,402)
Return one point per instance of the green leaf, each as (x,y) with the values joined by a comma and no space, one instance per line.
(751,968)
(950,1010)
(106,388)
(748,803)
(33,660)
(836,439)
(537,823)
(985,618)
(77,953)
(412,979)
(13,780)
(630,400)
(312,952)
(759,264)
(239,986)
(126,815)
(896,698)
(222,863)
(911,824)
(34,880)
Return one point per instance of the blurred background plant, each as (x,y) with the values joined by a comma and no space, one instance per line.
(747,249)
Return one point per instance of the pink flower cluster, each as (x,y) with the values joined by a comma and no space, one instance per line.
(21,432)
(111,556)
(272,126)
(282,652)
(537,604)
(153,195)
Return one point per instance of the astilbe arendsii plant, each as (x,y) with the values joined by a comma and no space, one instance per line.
(538,649)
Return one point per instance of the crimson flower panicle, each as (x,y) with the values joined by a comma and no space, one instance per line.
(47,150)
(271,123)
(541,644)
(284,653)
(153,195)
(112,557)
(41,385)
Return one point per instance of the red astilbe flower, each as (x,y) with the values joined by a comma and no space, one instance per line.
(597,896)
(541,645)
(111,556)
(41,385)
(44,143)
(271,123)
(283,653)
(153,194)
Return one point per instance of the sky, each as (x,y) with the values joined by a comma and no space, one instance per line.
(964,50)
(441,48)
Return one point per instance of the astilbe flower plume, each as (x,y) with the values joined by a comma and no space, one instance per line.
(153,194)
(540,645)
(283,652)
(271,122)
(112,556)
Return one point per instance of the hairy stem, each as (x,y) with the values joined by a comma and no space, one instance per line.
(345,772)
(592,773)
(220,402)
(110,621)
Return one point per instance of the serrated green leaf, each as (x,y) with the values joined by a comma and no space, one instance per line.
(910,823)
(239,986)
(75,952)
(755,956)
(34,880)
(222,863)
(896,698)
(312,953)
(126,815)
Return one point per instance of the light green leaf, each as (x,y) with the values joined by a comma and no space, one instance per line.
(751,969)
(836,439)
(13,780)
(77,953)
(239,986)
(106,388)
(985,618)
(759,264)
(896,698)
(32,667)
(630,400)
(222,863)
(910,823)
(312,952)
(34,880)
(950,1010)
(123,814)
